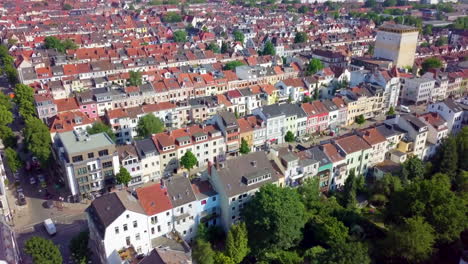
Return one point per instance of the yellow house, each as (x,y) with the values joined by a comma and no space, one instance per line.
(246,131)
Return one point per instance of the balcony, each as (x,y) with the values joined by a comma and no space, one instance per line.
(205,217)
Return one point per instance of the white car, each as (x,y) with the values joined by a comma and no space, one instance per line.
(50,227)
(32,180)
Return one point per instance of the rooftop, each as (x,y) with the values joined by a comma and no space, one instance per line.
(77,142)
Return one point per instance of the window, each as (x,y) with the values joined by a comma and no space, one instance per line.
(127,240)
(116,229)
(203,202)
(77,158)
(154,220)
(103,152)
(107,164)
(128,216)
(125,227)
(135,224)
(152,230)
(137,236)
(90,155)
(81,171)
(214,198)
(159,228)
(167,213)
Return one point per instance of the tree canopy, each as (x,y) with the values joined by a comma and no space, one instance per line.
(180,36)
(79,248)
(431,63)
(238,36)
(37,139)
(269,49)
(100,127)
(203,253)
(59,45)
(237,246)
(289,137)
(123,176)
(232,65)
(172,17)
(13,160)
(274,217)
(188,160)
(148,125)
(301,37)
(135,78)
(244,148)
(314,66)
(24,98)
(43,251)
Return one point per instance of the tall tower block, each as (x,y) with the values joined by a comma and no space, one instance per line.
(397,43)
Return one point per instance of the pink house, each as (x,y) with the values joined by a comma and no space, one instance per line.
(87,104)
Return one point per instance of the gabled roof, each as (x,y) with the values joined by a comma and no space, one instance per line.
(154,199)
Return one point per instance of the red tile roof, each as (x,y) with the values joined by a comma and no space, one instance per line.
(154,199)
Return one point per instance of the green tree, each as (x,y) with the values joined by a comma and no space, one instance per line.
(5,101)
(387,185)
(441,41)
(135,78)
(301,37)
(9,138)
(188,160)
(427,30)
(370,51)
(391,111)
(345,253)
(43,251)
(283,257)
(431,63)
(224,47)
(13,160)
(303,9)
(6,117)
(412,168)
(37,139)
(388,3)
(232,65)
(203,253)
(180,36)
(269,49)
(79,248)
(148,125)
(412,241)
(314,66)
(447,156)
(349,190)
(220,258)
(52,42)
(123,176)
(100,127)
(371,3)
(213,47)
(433,200)
(462,143)
(237,241)
(244,148)
(67,7)
(238,36)
(310,192)
(289,137)
(360,119)
(172,17)
(24,98)
(274,219)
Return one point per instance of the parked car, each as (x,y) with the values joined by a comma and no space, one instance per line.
(21,199)
(50,227)
(32,180)
(404,108)
(41,178)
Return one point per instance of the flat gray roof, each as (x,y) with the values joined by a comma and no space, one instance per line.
(73,142)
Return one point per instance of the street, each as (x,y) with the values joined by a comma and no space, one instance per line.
(67,228)
(28,219)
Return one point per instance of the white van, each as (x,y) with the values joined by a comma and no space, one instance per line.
(405,109)
(50,227)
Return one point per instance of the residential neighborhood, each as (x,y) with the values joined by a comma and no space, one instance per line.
(227,132)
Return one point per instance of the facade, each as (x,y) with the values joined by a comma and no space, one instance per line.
(418,90)
(414,141)
(451,111)
(237,186)
(397,43)
(357,152)
(87,163)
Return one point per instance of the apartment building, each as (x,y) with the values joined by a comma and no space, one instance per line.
(206,142)
(437,130)
(414,141)
(337,157)
(129,159)
(357,152)
(86,163)
(149,159)
(451,111)
(237,180)
(117,221)
(378,143)
(417,90)
(226,122)
(366,101)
